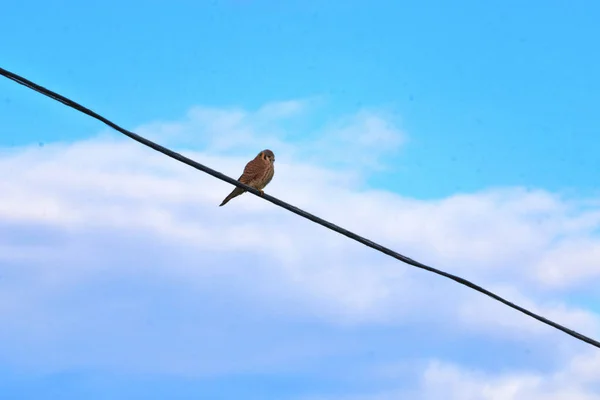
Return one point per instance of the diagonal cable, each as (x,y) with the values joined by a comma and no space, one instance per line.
(289,207)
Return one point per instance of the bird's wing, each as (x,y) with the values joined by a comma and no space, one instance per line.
(252,171)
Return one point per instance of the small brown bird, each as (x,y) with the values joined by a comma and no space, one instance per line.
(257,174)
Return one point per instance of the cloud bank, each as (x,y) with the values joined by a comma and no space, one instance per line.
(117,258)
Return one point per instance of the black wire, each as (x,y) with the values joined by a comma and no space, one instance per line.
(289,207)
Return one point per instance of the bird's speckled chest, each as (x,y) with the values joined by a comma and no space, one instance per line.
(270,173)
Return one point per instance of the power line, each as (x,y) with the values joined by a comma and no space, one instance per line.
(289,207)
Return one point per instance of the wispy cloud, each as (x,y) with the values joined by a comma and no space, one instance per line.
(359,141)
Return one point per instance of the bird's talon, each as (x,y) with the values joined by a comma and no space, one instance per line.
(262,193)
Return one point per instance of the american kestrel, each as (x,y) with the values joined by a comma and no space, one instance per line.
(257,174)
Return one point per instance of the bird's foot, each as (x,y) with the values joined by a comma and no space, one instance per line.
(262,193)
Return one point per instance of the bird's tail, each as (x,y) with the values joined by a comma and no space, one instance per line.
(236,192)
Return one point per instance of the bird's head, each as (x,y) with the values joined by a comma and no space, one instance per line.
(267,155)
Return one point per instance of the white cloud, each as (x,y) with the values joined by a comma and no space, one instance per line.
(572,261)
(576,380)
(128,231)
(367,137)
(358,142)
(455,383)
(495,319)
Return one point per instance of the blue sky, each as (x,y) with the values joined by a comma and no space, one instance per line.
(467,130)
(480,83)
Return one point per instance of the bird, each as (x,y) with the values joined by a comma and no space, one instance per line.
(257,174)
